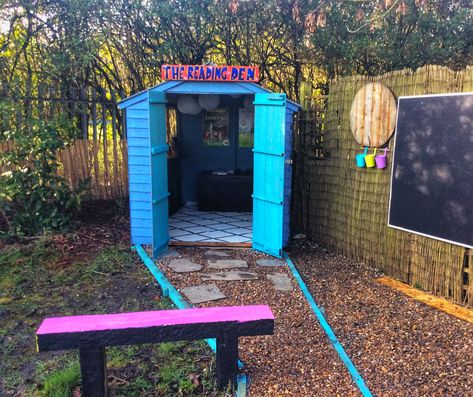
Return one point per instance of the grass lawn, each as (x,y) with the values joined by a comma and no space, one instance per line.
(46,278)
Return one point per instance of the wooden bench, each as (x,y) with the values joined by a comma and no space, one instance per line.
(91,334)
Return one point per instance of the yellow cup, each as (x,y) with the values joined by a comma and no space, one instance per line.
(370,159)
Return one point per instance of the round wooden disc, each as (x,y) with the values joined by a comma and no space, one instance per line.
(373,115)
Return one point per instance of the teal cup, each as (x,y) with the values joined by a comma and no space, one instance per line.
(360,158)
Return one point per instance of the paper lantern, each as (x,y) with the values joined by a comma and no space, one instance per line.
(188,105)
(195,109)
(209,102)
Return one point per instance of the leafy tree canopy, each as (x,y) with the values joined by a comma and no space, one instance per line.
(121,44)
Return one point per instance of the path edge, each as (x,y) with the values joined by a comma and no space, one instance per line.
(169,291)
(357,378)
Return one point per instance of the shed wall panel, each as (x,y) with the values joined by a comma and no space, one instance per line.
(138,142)
(140,187)
(141,105)
(138,133)
(136,169)
(137,120)
(144,197)
(139,160)
(138,151)
(139,205)
(140,213)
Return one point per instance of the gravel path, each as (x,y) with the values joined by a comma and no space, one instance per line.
(401,347)
(298,359)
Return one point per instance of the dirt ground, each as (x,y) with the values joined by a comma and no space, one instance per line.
(88,270)
(400,347)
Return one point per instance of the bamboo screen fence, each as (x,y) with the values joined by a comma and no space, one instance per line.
(347,206)
(105,165)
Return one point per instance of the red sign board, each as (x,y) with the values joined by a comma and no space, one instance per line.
(210,73)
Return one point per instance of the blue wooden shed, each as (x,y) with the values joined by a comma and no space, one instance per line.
(268,159)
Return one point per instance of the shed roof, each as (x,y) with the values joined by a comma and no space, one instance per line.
(201,87)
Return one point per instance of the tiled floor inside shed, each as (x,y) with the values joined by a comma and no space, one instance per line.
(191,225)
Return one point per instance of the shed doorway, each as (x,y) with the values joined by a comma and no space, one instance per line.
(214,151)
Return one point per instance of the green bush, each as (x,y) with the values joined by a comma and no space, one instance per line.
(33,198)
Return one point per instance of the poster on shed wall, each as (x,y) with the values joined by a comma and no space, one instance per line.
(245,127)
(216,128)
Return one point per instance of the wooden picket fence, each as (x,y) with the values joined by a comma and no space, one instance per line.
(104,165)
(100,153)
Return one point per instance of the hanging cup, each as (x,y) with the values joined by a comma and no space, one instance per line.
(369,159)
(360,158)
(381,159)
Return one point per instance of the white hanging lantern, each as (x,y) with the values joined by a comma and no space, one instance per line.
(209,102)
(188,105)
(195,109)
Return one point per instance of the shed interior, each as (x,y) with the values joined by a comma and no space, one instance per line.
(211,170)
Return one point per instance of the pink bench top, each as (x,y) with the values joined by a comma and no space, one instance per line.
(102,322)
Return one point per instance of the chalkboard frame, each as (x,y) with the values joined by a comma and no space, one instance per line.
(393,168)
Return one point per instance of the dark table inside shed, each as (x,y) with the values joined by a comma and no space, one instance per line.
(231,192)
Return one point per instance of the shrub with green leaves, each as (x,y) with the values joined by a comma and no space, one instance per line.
(33,197)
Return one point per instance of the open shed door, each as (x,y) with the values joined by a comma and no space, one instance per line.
(159,172)
(268,190)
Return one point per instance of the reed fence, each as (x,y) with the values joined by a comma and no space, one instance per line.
(100,151)
(347,206)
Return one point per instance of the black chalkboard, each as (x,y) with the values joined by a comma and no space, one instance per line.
(432,173)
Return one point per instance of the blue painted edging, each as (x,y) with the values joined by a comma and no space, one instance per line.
(172,293)
(360,383)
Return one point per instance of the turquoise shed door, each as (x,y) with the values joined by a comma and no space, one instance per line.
(268,189)
(159,172)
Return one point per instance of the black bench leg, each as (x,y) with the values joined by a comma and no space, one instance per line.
(227,360)
(93,367)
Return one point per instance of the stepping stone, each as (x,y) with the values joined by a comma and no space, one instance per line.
(281,282)
(226,263)
(169,254)
(270,262)
(202,293)
(232,275)
(215,253)
(184,266)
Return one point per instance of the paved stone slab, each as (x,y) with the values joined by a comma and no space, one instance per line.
(270,262)
(215,253)
(170,253)
(281,282)
(226,264)
(202,293)
(232,275)
(184,266)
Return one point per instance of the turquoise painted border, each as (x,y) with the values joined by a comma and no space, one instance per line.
(360,383)
(169,291)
